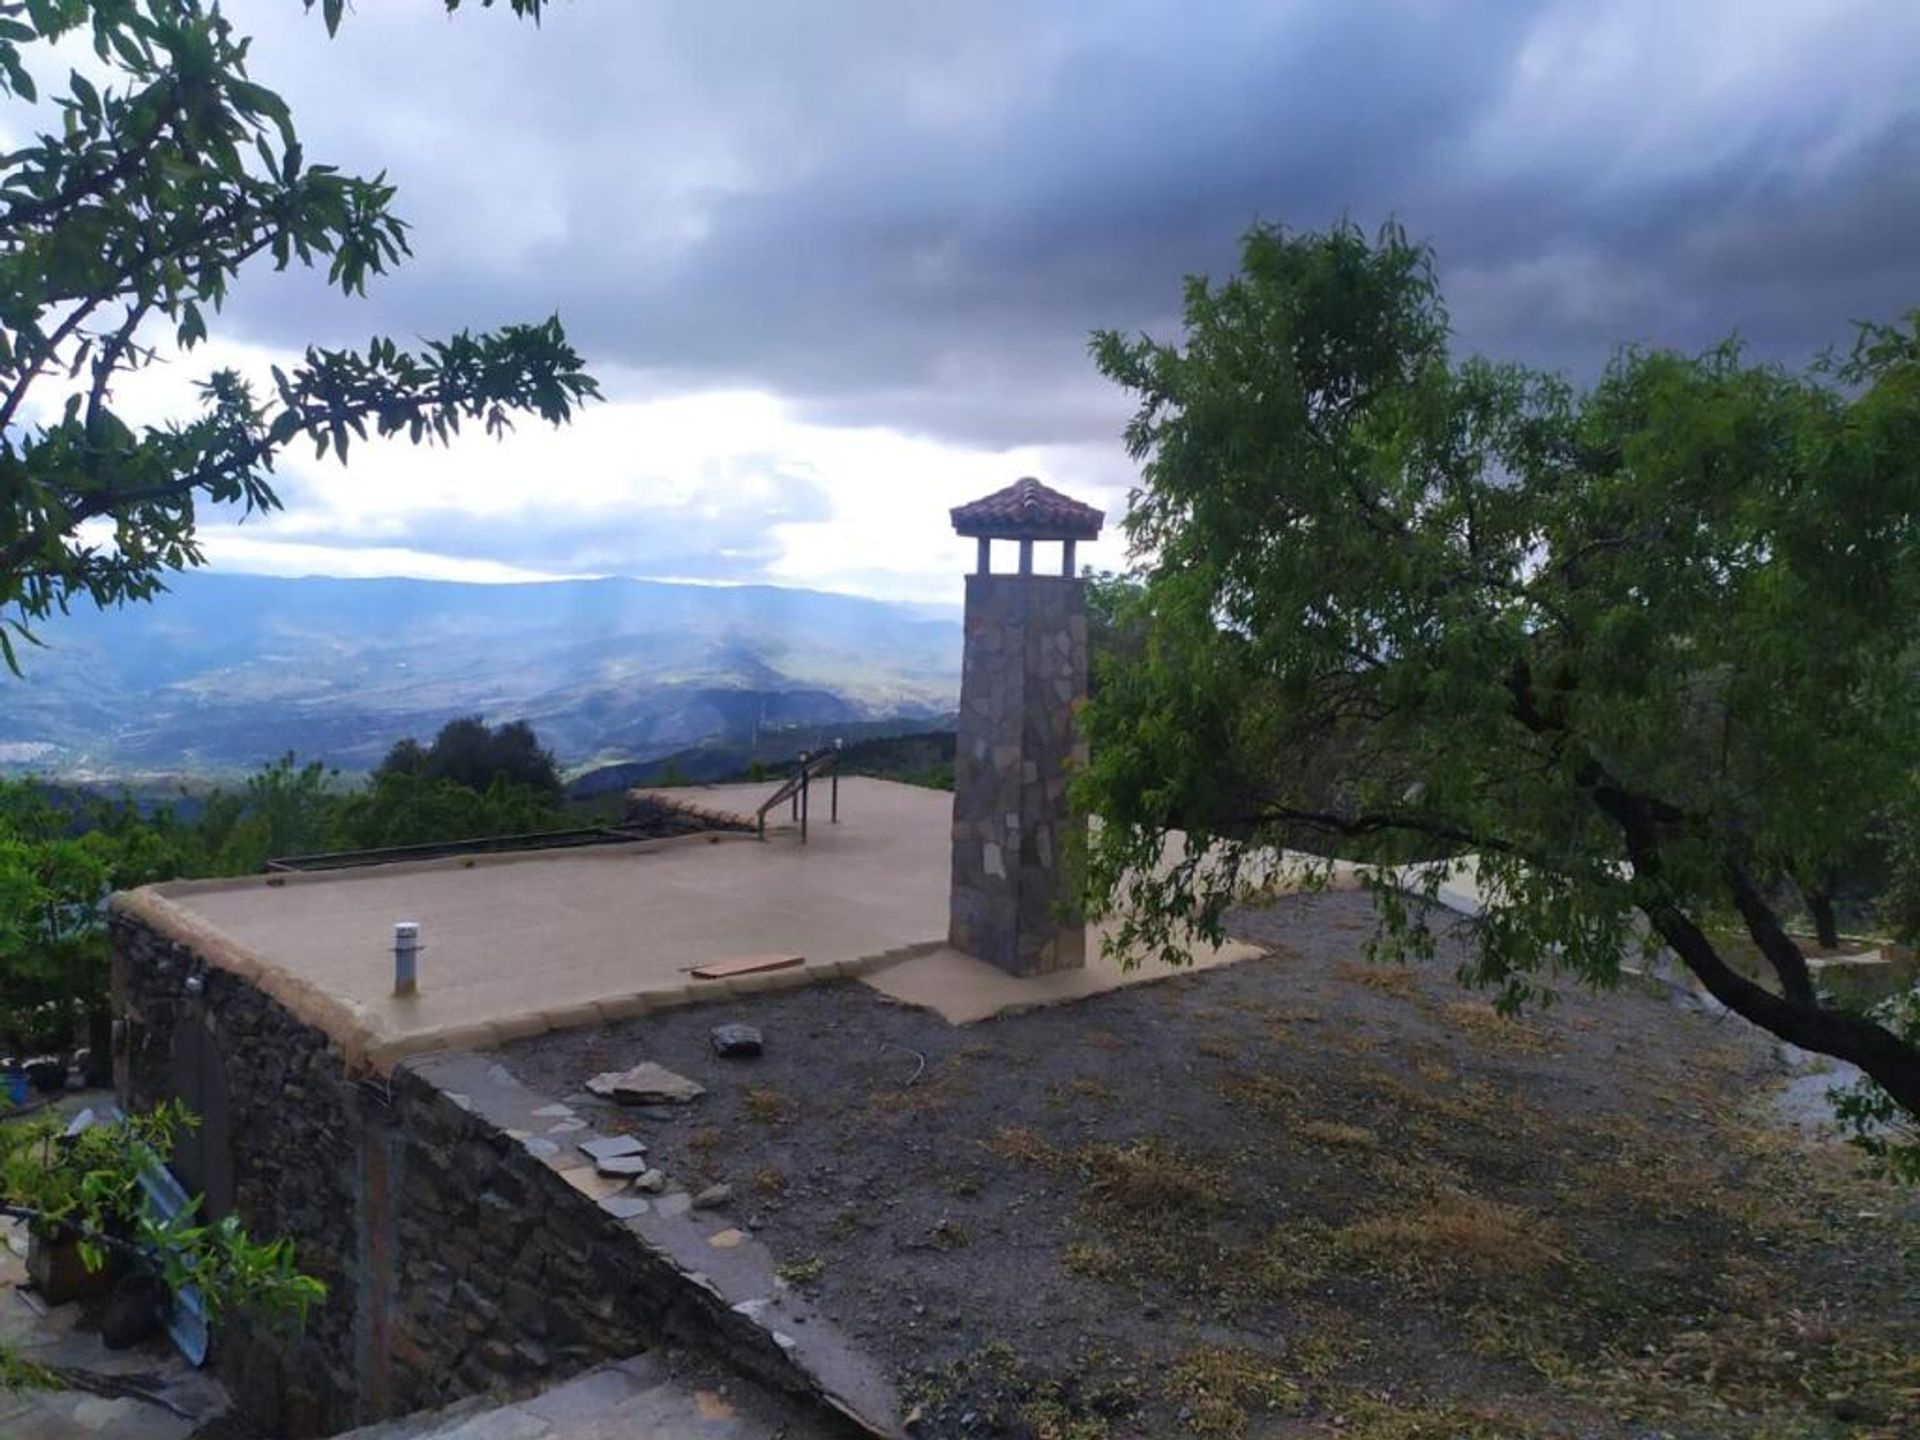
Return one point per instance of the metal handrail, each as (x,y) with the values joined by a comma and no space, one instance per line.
(796,790)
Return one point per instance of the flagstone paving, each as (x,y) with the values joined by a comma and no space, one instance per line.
(53,1337)
(639,1399)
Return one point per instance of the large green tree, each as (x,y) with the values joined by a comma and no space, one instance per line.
(1647,649)
(159,175)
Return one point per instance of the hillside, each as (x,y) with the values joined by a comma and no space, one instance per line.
(226,671)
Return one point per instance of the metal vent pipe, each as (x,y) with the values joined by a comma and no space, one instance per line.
(406,952)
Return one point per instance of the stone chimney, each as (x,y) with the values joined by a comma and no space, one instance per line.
(1022,677)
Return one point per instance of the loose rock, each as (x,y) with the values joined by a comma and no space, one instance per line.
(737,1042)
(651,1182)
(646,1084)
(713,1197)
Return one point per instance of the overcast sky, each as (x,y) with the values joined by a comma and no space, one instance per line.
(836,263)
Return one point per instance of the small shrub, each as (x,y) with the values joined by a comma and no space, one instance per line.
(802,1272)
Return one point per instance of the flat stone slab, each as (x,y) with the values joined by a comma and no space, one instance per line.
(612,1147)
(646,1084)
(623,1401)
(622,1166)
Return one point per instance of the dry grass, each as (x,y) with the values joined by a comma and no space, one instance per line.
(1285,1261)
(1369,1417)
(1023,1147)
(1085,1087)
(1222,1386)
(1397,981)
(1292,1015)
(1455,1231)
(948,1234)
(1480,1024)
(1434,1072)
(895,1106)
(1777,1370)
(1268,1094)
(1096,1259)
(1328,1342)
(765,1105)
(1414,1100)
(770,1183)
(1148,1175)
(1338,1136)
(1351,1042)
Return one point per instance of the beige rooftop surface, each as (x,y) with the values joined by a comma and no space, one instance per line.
(512,945)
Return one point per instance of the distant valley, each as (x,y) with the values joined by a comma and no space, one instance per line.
(227,671)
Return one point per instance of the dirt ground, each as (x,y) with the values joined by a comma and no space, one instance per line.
(1304,1195)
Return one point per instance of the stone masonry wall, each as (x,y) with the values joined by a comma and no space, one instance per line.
(456,1261)
(1024,671)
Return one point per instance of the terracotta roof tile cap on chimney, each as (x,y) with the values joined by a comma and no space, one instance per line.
(1028,510)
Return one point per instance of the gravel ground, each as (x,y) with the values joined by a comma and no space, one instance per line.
(1302,1195)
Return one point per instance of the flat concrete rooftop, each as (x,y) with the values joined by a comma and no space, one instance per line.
(514,945)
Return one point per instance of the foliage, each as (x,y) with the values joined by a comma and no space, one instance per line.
(420,809)
(124,227)
(63,852)
(57,865)
(1116,624)
(1643,650)
(470,754)
(1881,1126)
(1899,900)
(88,1187)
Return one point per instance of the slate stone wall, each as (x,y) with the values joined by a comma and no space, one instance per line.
(1022,676)
(296,1172)
(455,1261)
(645,813)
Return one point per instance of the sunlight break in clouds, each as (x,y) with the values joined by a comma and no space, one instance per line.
(718,486)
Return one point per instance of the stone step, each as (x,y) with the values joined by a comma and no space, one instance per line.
(636,1399)
(424,1422)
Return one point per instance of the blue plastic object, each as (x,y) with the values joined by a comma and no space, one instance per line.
(187,1319)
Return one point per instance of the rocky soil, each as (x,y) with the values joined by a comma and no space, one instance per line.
(1305,1195)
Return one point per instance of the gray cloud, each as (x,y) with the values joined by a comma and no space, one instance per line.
(913,215)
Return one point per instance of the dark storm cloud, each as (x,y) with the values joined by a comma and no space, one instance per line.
(913,215)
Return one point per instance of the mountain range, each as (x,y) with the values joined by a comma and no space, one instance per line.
(224,672)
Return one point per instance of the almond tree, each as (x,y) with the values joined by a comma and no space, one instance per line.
(125,223)
(1647,650)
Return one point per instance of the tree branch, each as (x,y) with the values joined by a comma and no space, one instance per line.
(1774,942)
